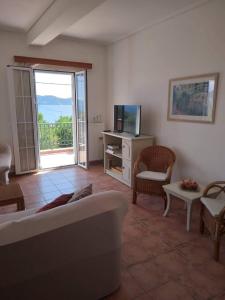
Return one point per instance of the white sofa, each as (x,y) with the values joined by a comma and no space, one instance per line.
(5,162)
(69,252)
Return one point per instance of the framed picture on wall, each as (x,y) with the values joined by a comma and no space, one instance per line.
(193,99)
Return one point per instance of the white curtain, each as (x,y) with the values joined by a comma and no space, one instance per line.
(23,118)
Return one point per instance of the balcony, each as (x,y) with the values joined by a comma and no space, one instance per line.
(56,144)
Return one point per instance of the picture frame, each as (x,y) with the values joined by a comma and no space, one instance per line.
(193,99)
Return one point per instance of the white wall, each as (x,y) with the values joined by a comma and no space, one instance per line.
(139,69)
(66,49)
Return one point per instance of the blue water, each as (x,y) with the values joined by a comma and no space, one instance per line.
(51,113)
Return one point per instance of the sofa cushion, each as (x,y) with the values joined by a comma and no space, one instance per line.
(84,192)
(61,200)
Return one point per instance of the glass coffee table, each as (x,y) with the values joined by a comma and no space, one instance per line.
(174,189)
(12,194)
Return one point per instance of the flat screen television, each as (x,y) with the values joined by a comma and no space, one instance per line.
(127,118)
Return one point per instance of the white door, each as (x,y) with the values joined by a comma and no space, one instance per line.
(23,118)
(82,119)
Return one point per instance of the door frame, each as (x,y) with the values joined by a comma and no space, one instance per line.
(86,118)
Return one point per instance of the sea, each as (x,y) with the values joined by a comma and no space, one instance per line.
(52,113)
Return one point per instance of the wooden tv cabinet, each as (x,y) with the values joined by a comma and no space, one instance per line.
(119,164)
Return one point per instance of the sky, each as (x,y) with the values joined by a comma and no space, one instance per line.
(55,84)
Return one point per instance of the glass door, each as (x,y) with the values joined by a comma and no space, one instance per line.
(81,113)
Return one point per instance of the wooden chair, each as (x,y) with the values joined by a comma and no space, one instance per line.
(212,214)
(152,170)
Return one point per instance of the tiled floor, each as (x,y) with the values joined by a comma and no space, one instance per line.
(160,259)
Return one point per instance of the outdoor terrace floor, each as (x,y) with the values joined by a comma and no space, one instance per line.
(53,159)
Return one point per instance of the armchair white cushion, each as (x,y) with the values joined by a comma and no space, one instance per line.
(214,206)
(157,176)
(5,162)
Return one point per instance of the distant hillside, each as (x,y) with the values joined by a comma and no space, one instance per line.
(52,100)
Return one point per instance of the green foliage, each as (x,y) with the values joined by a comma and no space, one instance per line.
(64,131)
(55,135)
(41,118)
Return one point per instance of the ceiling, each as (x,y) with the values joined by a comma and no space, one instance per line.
(104,21)
(116,19)
(20,15)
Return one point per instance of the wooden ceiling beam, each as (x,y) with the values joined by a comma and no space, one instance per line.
(52,62)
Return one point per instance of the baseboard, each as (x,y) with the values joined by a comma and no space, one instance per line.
(12,171)
(96,162)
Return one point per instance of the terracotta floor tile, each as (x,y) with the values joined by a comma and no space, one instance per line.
(169,291)
(160,259)
(149,275)
(140,232)
(74,184)
(130,288)
(214,269)
(133,253)
(30,191)
(51,195)
(67,190)
(60,181)
(64,185)
(81,182)
(203,284)
(45,183)
(120,294)
(220,297)
(196,254)
(33,198)
(172,263)
(47,189)
(132,232)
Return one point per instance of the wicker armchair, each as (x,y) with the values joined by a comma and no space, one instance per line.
(152,170)
(212,214)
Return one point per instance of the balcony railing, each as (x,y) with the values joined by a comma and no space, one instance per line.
(55,135)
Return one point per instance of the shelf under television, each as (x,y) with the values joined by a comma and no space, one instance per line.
(116,175)
(116,154)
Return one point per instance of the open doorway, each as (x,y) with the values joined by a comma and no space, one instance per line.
(48,134)
(55,99)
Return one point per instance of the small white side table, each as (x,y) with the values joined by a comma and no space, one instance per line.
(187,196)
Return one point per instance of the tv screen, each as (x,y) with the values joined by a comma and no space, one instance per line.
(127,118)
